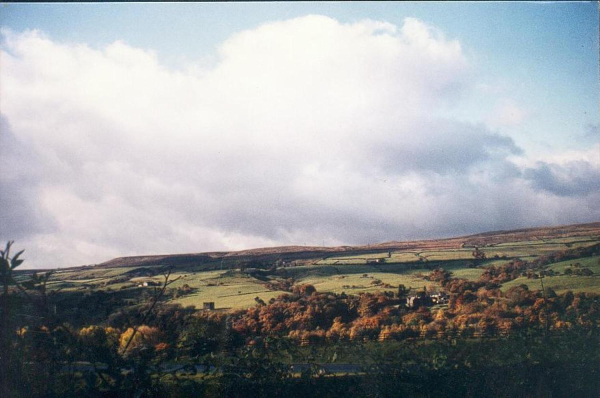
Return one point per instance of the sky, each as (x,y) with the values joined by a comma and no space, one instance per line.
(130,129)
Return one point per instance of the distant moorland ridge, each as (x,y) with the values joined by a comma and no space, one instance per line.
(308,252)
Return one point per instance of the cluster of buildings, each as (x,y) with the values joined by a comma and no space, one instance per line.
(424,299)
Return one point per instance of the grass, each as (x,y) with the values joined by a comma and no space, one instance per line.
(337,283)
(519,249)
(560,284)
(447,255)
(227,291)
(592,263)
(337,278)
(344,273)
(471,274)
(224,301)
(563,283)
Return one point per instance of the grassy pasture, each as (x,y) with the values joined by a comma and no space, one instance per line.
(471,274)
(224,301)
(232,292)
(562,283)
(566,241)
(344,273)
(334,278)
(360,284)
(521,249)
(195,278)
(592,263)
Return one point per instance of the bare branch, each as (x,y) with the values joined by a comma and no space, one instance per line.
(154,302)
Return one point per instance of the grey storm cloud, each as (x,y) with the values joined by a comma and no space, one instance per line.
(441,146)
(21,168)
(576,178)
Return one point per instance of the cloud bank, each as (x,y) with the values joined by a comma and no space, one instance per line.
(300,132)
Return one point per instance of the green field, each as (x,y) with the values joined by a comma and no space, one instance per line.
(521,249)
(352,274)
(227,292)
(358,279)
(563,283)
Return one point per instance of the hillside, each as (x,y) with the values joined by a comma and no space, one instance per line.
(399,299)
(288,253)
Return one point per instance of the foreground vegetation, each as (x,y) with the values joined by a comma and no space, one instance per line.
(516,319)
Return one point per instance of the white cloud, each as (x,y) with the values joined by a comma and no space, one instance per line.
(302,131)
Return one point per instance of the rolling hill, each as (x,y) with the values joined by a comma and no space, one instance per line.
(307,253)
